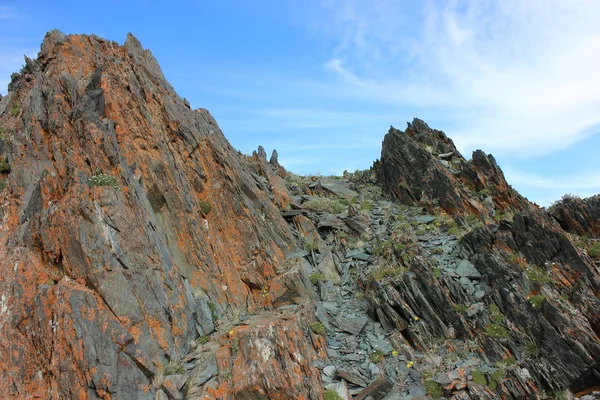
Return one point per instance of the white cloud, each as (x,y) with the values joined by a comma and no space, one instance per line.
(522,75)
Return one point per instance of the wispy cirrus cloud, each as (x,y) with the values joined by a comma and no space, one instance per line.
(521,75)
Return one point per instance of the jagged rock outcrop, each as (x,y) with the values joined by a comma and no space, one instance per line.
(579,216)
(130,228)
(422,166)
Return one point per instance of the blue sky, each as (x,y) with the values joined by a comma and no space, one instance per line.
(322,80)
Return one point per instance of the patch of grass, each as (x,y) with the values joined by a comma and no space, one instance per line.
(496,331)
(531,350)
(399,247)
(104,180)
(331,395)
(14,111)
(213,310)
(471,218)
(434,389)
(420,232)
(485,192)
(174,367)
(317,327)
(498,375)
(495,313)
(376,356)
(536,274)
(366,205)
(204,339)
(437,273)
(324,204)
(454,231)
(479,377)
(437,250)
(511,360)
(537,300)
(205,206)
(316,277)
(3,183)
(460,308)
(382,272)
(594,251)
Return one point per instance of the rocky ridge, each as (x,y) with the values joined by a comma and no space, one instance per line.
(143,257)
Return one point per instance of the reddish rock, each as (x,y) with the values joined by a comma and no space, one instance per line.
(102,285)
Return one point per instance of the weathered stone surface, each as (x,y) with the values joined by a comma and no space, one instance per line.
(376,390)
(352,325)
(410,171)
(580,216)
(102,285)
(467,270)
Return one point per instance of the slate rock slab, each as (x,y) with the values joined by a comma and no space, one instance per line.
(353,325)
(467,270)
(376,390)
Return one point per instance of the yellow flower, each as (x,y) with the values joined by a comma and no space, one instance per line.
(394,353)
(416,318)
(409,365)
(231,332)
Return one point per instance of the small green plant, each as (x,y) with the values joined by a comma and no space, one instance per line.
(536,274)
(454,231)
(317,328)
(495,313)
(174,367)
(316,277)
(331,395)
(421,232)
(511,360)
(460,308)
(514,258)
(437,273)
(496,331)
(437,250)
(479,377)
(531,350)
(399,247)
(537,300)
(3,183)
(14,111)
(382,272)
(104,180)
(204,339)
(4,166)
(366,205)
(376,356)
(498,375)
(213,310)
(485,192)
(434,389)
(205,206)
(471,218)
(594,251)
